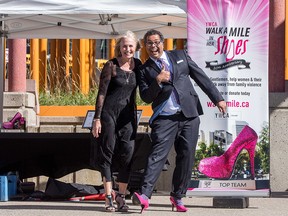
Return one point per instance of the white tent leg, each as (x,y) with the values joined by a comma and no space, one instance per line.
(2,69)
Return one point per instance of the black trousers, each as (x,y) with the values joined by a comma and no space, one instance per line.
(116,147)
(166,131)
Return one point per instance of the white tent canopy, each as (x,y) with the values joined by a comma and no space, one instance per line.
(99,19)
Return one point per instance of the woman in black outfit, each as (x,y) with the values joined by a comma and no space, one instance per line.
(114,123)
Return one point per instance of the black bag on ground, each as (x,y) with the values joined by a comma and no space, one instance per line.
(60,190)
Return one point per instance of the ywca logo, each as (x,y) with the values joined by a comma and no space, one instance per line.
(207,184)
(221,115)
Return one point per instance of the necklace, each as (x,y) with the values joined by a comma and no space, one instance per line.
(127,76)
(127,70)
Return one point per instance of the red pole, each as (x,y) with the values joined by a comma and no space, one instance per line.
(17,65)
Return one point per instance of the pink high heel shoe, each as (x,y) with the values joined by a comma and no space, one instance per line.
(138,200)
(15,123)
(222,167)
(178,205)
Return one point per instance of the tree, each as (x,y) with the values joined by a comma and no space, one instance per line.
(200,153)
(204,152)
(264,149)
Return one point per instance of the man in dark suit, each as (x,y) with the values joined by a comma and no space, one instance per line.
(164,81)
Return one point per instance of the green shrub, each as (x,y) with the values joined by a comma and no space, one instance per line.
(67,98)
(73,99)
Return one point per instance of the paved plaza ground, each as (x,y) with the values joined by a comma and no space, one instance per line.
(277,205)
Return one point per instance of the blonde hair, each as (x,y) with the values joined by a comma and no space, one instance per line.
(127,34)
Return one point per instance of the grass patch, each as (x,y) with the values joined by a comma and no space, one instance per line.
(67,98)
(73,99)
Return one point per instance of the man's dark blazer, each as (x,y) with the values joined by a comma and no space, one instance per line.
(183,68)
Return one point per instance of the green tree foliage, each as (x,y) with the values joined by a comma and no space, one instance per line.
(203,152)
(242,163)
(264,149)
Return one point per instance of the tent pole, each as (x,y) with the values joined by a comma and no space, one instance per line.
(2,67)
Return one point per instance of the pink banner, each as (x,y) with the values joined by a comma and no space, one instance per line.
(228,39)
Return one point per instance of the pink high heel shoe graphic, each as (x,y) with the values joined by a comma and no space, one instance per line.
(221,167)
(15,123)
